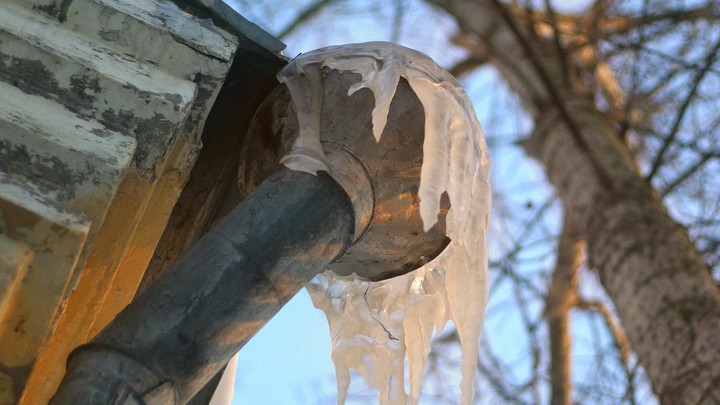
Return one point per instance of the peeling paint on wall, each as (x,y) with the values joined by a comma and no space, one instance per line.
(104,104)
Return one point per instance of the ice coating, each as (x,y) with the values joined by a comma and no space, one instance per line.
(375,325)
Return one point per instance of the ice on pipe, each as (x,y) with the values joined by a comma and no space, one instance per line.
(376,326)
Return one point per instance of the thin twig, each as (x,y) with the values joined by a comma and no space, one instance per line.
(621,341)
(704,158)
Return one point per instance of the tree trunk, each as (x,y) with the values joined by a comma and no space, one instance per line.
(665,298)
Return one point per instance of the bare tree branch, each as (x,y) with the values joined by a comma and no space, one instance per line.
(561,297)
(603,177)
(562,55)
(660,156)
(621,341)
(622,24)
(304,16)
(398,14)
(466,66)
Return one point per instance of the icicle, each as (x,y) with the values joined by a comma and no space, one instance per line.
(375,325)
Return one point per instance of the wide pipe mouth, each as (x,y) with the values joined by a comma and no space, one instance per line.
(381,178)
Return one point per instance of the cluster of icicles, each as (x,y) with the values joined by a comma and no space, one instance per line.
(375,325)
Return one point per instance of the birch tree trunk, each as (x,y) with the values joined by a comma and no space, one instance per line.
(667,302)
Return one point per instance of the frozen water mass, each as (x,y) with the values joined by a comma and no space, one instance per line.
(375,326)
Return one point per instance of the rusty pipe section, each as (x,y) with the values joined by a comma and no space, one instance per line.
(175,337)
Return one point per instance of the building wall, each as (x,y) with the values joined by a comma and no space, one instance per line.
(102,105)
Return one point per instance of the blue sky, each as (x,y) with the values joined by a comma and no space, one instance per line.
(288,361)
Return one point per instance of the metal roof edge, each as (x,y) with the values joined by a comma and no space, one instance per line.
(227,18)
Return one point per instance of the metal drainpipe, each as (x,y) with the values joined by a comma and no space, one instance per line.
(166,344)
(175,337)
